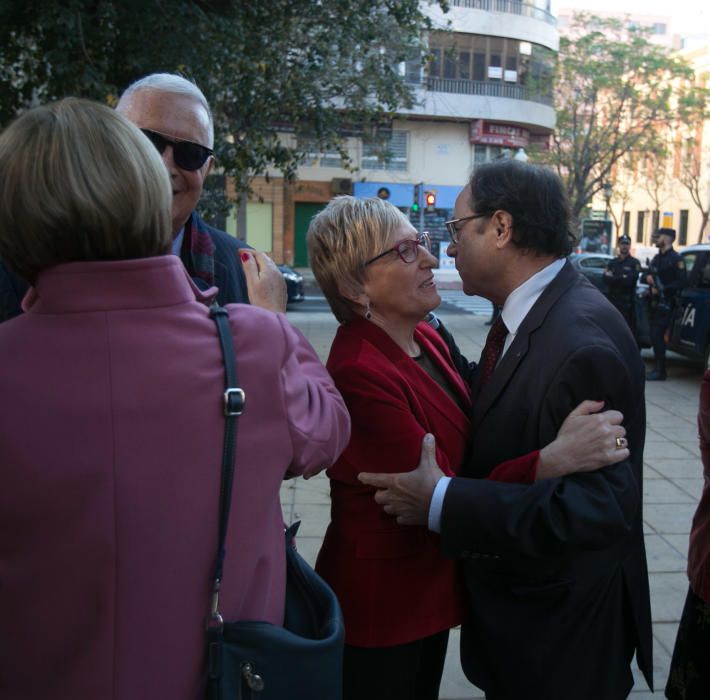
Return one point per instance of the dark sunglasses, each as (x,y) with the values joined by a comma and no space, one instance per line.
(186,154)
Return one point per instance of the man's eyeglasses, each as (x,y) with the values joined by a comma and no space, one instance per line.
(186,154)
(451,225)
(407,250)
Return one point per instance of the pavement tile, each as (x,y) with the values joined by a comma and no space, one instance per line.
(308,547)
(663,557)
(693,487)
(651,473)
(669,450)
(314,519)
(668,593)
(652,435)
(454,684)
(664,633)
(680,468)
(678,542)
(313,491)
(664,491)
(672,520)
(683,434)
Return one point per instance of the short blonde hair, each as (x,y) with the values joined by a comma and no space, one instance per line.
(79,182)
(341,238)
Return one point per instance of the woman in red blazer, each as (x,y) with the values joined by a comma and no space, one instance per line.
(399,595)
(689,677)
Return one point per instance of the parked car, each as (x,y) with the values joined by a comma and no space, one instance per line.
(689,332)
(592,266)
(294,283)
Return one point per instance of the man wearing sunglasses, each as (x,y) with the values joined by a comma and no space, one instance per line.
(174,115)
(556,570)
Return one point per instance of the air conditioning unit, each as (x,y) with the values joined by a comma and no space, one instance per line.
(341,185)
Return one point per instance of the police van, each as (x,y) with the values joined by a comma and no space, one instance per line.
(689,332)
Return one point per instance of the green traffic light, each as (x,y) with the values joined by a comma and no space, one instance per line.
(415,207)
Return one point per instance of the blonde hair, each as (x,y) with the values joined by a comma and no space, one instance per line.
(79,182)
(341,238)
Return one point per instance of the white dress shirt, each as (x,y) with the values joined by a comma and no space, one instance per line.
(516,308)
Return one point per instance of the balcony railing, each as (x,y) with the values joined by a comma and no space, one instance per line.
(513,7)
(486,88)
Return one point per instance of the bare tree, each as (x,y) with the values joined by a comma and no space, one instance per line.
(613,95)
(695,172)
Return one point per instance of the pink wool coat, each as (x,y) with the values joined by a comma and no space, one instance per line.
(110,453)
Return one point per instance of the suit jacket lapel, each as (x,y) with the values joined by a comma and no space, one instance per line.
(515,354)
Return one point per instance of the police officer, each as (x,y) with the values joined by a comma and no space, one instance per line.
(621,276)
(666,277)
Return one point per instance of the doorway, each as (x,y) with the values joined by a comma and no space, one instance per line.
(304,212)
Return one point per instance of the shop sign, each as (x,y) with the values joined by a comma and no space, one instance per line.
(483,132)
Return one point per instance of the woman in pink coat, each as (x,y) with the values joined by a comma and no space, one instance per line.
(112,425)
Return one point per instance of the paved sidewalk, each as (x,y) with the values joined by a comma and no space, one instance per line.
(672,485)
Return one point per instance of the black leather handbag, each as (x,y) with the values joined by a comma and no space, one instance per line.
(255,660)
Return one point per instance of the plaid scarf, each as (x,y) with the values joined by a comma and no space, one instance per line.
(198,250)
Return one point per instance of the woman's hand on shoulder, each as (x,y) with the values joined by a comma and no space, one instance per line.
(265,283)
(589,439)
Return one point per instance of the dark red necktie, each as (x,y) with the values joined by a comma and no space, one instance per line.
(492,350)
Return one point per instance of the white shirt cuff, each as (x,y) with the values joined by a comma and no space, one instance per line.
(437,503)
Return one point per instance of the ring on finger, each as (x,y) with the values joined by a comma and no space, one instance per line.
(621,443)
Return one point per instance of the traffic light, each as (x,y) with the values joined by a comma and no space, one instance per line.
(417,198)
(430,201)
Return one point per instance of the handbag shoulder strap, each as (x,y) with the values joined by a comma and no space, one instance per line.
(233,406)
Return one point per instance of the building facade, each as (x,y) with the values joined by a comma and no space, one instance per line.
(486,93)
(659,194)
(654,194)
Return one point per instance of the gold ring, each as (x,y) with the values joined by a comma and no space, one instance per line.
(621,443)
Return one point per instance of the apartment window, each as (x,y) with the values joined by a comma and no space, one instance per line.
(654,221)
(465,65)
(314,155)
(627,223)
(495,59)
(490,59)
(479,65)
(484,154)
(435,62)
(683,228)
(450,64)
(386,153)
(413,71)
(640,226)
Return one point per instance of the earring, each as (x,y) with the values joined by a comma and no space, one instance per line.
(368,313)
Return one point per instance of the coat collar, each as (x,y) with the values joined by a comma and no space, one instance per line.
(431,343)
(520,346)
(116,284)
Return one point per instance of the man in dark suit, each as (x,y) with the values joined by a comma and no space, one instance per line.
(174,114)
(556,570)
